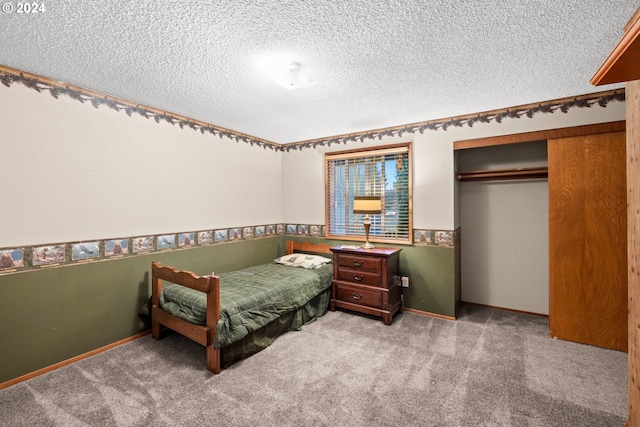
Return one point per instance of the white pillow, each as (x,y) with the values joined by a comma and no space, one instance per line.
(307,261)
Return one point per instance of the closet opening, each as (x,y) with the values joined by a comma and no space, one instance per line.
(503,214)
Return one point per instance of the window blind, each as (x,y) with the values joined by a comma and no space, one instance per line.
(384,172)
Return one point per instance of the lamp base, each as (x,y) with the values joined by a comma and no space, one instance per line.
(367,225)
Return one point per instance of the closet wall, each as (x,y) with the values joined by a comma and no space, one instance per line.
(505,256)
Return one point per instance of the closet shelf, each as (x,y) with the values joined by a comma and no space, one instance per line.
(504,174)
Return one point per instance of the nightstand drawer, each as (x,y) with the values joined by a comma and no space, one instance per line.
(360,263)
(359,296)
(359,277)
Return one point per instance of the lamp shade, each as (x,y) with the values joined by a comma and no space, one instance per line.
(369,205)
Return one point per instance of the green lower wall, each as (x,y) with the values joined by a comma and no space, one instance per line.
(431,279)
(50,315)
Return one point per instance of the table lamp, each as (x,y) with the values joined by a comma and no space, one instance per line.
(367,205)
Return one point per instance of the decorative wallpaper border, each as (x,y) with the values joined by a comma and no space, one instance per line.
(529,110)
(34,257)
(9,76)
(444,238)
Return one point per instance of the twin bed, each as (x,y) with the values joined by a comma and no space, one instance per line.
(237,314)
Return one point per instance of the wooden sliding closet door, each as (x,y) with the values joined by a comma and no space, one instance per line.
(587,240)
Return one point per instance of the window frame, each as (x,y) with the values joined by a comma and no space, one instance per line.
(363,154)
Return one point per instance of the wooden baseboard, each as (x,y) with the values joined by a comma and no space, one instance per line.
(70,361)
(426,313)
(505,309)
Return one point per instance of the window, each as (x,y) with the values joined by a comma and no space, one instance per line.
(384,172)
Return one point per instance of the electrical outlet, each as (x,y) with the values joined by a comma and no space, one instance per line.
(405,282)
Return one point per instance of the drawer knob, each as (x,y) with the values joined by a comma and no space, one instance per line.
(358,278)
(357,298)
(358,263)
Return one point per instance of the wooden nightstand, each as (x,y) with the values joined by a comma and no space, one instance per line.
(366,281)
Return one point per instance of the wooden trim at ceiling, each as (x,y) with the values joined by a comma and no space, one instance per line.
(56,88)
(622,63)
(541,135)
(9,76)
(527,110)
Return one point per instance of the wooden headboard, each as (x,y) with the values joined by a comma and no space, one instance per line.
(320,248)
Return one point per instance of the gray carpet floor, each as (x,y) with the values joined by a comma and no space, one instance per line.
(488,368)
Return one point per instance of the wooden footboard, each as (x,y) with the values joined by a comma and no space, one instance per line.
(202,334)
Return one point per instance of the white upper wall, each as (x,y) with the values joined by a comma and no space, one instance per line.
(434,184)
(73,172)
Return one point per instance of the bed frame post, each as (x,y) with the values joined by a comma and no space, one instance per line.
(213,315)
(156,288)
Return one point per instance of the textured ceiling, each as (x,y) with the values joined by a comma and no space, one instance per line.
(376,63)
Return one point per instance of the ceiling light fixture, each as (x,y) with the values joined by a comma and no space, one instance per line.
(288,74)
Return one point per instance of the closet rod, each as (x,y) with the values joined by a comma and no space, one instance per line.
(504,174)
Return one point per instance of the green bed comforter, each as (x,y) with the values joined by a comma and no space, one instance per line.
(249,298)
